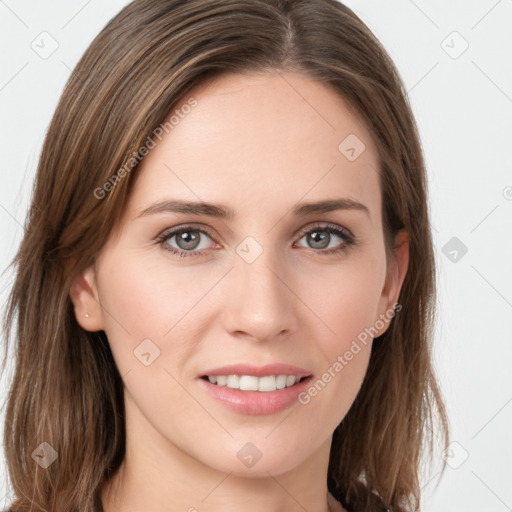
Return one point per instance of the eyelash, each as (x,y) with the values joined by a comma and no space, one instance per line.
(349,239)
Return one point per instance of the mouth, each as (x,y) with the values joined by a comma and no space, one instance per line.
(266,383)
(255,394)
(255,389)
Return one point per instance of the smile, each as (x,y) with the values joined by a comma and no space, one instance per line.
(253,383)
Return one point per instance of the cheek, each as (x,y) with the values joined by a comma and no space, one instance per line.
(345,300)
(148,310)
(140,306)
(145,295)
(151,299)
(331,394)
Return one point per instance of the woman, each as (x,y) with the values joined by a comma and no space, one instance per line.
(225,292)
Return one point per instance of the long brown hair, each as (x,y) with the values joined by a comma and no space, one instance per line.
(66,390)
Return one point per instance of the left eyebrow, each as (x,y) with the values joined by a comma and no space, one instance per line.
(303,209)
(223,212)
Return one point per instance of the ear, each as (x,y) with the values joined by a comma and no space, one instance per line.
(84,295)
(395,277)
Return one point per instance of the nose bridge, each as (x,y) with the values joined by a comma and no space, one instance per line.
(260,304)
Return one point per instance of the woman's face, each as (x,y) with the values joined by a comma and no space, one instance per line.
(268,286)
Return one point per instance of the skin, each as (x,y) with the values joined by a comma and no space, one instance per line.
(258,144)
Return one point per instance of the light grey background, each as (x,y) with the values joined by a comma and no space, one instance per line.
(462,98)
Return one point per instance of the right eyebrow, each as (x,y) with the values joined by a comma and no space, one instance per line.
(189,207)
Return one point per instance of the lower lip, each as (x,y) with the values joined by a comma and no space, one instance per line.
(255,402)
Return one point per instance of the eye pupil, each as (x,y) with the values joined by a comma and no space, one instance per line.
(190,241)
(319,236)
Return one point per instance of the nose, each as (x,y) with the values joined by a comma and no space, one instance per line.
(260,303)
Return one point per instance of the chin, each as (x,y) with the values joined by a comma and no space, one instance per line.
(249,461)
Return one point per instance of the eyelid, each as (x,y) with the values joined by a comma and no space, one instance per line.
(196,226)
(326,225)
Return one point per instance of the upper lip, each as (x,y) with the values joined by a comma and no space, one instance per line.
(257,371)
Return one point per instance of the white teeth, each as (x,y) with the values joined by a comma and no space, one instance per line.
(248,383)
(281,382)
(267,383)
(233,381)
(252,383)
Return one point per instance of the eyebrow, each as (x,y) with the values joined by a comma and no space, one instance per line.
(222,212)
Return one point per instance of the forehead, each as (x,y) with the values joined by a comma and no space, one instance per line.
(260,141)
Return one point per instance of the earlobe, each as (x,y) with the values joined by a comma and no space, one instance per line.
(83,294)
